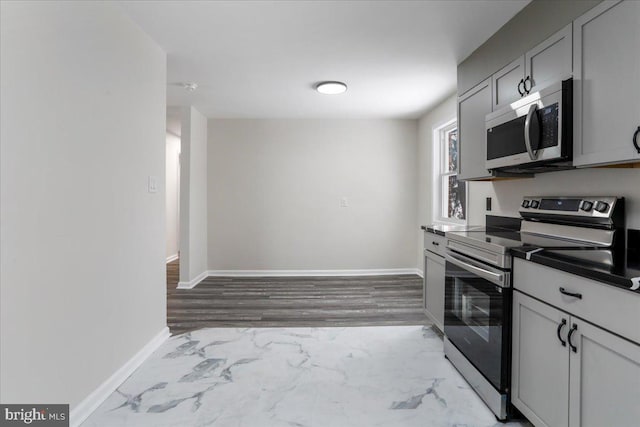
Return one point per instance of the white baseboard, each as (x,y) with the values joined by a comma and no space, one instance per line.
(172,258)
(192,283)
(83,409)
(308,273)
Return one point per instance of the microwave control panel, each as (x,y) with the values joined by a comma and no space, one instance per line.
(548,117)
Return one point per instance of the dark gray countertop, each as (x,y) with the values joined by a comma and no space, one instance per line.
(440,229)
(624,273)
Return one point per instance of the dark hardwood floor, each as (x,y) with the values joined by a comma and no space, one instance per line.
(294,301)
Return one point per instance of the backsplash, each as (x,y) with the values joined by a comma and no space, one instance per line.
(507,194)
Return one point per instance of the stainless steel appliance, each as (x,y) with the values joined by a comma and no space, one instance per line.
(534,133)
(478,288)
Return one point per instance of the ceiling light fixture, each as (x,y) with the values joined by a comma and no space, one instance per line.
(331,88)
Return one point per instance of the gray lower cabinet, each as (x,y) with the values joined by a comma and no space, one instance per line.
(604,375)
(568,372)
(540,363)
(434,288)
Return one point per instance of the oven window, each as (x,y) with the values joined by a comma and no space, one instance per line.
(473,308)
(476,319)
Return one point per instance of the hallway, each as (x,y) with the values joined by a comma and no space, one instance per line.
(244,302)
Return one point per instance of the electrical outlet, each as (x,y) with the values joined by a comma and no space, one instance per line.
(344,202)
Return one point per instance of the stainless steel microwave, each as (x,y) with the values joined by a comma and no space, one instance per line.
(534,133)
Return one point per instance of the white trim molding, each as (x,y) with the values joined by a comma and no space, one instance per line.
(194,282)
(311,273)
(83,409)
(172,258)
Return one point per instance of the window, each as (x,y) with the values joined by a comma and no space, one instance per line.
(450,195)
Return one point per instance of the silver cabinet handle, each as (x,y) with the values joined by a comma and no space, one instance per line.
(469,265)
(527,126)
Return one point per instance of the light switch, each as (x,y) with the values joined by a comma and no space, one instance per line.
(153,184)
(344,202)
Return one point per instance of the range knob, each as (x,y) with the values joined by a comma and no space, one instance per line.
(602,207)
(525,203)
(534,204)
(586,205)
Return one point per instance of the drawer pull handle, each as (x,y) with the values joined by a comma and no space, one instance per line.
(563,291)
(560,326)
(573,329)
(435,243)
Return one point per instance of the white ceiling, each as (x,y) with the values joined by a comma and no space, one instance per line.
(261,59)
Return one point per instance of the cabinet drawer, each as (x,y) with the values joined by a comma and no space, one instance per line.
(435,243)
(606,306)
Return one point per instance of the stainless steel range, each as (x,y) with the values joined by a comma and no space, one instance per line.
(478,288)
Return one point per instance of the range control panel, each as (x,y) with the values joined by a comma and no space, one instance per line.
(588,206)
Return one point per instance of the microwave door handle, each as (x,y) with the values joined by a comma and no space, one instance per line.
(497,278)
(527,126)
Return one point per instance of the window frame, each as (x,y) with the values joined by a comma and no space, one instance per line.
(441,175)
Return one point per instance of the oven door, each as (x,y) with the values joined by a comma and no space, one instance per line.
(477,316)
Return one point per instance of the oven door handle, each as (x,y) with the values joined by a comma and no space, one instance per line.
(499,278)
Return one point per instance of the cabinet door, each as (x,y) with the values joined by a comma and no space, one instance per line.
(607,90)
(540,369)
(605,379)
(550,61)
(434,279)
(473,107)
(505,84)
(424,282)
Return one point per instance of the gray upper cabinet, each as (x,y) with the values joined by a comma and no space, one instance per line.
(547,63)
(507,84)
(606,42)
(473,107)
(550,61)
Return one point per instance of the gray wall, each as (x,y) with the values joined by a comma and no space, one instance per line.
(172,194)
(441,114)
(83,242)
(193,195)
(275,188)
(533,24)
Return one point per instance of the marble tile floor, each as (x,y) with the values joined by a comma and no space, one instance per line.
(391,376)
